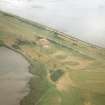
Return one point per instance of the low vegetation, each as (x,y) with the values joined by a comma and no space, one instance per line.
(66,71)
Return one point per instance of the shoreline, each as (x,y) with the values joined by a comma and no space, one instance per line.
(27,87)
(30,71)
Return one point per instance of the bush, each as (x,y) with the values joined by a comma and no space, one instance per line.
(56,74)
(1,43)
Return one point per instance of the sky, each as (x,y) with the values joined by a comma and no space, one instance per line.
(84,19)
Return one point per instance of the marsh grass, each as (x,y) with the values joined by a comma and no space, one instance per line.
(68,54)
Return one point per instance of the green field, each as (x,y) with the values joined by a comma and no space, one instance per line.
(66,71)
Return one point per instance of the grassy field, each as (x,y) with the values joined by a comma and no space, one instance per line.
(66,71)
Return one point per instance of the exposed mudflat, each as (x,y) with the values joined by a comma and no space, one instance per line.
(14,76)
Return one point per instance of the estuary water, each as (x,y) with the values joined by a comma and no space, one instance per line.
(14,77)
(84,19)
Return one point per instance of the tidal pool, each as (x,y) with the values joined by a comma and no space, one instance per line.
(14,77)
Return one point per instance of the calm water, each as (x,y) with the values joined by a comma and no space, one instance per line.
(84,19)
(14,76)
